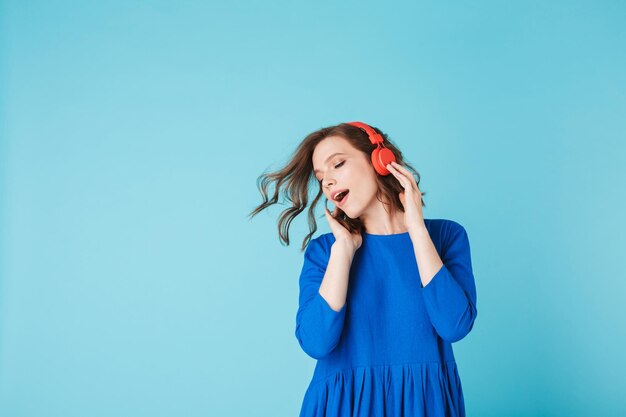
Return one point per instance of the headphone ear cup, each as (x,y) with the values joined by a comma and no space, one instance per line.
(376,163)
(380,158)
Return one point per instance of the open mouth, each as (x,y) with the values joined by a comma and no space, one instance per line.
(340,197)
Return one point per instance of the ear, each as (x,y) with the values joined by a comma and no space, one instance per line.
(401,195)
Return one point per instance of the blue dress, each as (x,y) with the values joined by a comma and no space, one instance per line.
(388,351)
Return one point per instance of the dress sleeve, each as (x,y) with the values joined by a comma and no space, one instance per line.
(450,297)
(318,326)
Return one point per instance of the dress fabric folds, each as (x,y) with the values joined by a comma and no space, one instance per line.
(388,350)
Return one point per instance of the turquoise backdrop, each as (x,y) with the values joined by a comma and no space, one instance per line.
(132,282)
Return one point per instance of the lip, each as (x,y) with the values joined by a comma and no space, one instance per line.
(343,202)
(337,192)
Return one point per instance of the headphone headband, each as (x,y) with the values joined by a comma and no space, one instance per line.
(374,137)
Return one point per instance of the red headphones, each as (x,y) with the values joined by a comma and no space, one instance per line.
(381,156)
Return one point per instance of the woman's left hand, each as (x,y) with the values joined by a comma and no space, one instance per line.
(411,197)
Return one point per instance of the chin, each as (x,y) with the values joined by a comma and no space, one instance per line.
(351,215)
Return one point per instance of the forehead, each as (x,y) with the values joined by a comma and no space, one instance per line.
(328,147)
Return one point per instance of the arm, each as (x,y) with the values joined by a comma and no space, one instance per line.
(322,300)
(448,284)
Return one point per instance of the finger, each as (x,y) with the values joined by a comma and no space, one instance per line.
(402,200)
(399,175)
(334,224)
(403,170)
(408,174)
(330,216)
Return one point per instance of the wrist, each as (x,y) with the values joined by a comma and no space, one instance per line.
(418,231)
(343,246)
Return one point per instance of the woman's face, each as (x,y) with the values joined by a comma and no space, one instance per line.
(340,166)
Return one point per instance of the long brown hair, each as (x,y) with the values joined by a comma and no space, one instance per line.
(297,177)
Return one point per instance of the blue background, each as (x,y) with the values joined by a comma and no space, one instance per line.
(132,133)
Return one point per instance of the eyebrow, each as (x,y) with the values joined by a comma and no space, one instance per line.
(327,159)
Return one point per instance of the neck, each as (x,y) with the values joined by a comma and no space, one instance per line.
(380,222)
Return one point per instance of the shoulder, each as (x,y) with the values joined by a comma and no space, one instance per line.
(447,225)
(325,239)
(321,245)
(444,231)
(317,252)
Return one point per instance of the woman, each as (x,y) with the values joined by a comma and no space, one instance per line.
(386,293)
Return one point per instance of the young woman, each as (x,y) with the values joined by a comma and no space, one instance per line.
(383,296)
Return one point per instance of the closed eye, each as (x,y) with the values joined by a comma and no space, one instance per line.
(336,166)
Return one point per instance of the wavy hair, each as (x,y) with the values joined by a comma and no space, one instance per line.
(297,178)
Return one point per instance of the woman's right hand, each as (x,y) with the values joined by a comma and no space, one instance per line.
(353,240)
